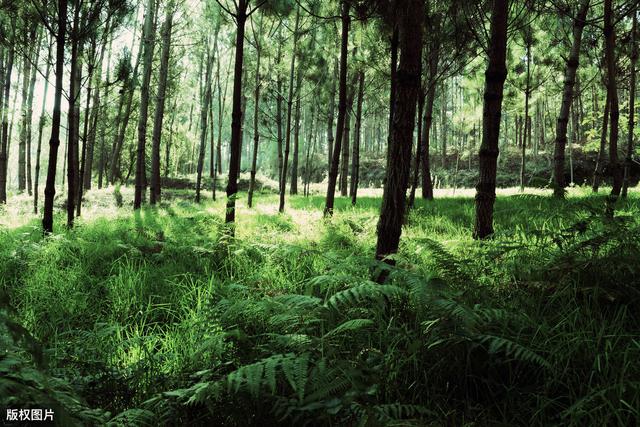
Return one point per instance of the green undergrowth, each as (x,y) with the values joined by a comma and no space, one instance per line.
(160,318)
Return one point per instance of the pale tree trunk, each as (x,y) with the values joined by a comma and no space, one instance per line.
(148,36)
(567,98)
(493,90)
(41,123)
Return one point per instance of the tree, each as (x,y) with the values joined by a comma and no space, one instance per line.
(342,110)
(632,98)
(571,68)
(355,165)
(148,37)
(410,27)
(256,111)
(167,28)
(54,142)
(41,123)
(493,91)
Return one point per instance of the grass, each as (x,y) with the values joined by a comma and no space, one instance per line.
(157,317)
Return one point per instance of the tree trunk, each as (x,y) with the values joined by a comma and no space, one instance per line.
(407,87)
(54,142)
(526,133)
(25,118)
(256,112)
(236,116)
(493,90)
(427,185)
(32,84)
(4,148)
(614,108)
(567,98)
(75,73)
(148,38)
(632,99)
(332,105)
(155,190)
(599,170)
(206,105)
(41,123)
(287,144)
(342,110)
(355,163)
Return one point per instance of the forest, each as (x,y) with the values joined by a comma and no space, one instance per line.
(319,213)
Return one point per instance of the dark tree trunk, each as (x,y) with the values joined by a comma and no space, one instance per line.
(599,170)
(632,99)
(614,109)
(342,110)
(567,98)
(236,116)
(25,118)
(494,85)
(407,88)
(296,142)
(75,74)
(148,37)
(332,104)
(527,128)
(155,190)
(32,85)
(355,163)
(54,142)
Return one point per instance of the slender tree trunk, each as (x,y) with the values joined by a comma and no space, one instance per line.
(527,133)
(427,185)
(155,190)
(4,143)
(614,108)
(22,144)
(148,37)
(407,87)
(41,123)
(296,140)
(75,74)
(599,170)
(344,164)
(355,164)
(332,105)
(287,144)
(54,142)
(87,115)
(236,115)
(206,105)
(493,90)
(342,110)
(167,158)
(32,84)
(567,98)
(256,112)
(280,133)
(632,99)
(103,158)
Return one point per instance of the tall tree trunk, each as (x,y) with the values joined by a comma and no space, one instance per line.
(83,156)
(332,105)
(287,144)
(206,105)
(632,99)
(599,170)
(355,163)
(427,185)
(54,142)
(167,27)
(102,110)
(407,87)
(280,133)
(614,108)
(148,37)
(493,90)
(32,84)
(296,139)
(4,143)
(256,112)
(527,127)
(75,74)
(567,98)
(22,144)
(236,115)
(41,123)
(342,110)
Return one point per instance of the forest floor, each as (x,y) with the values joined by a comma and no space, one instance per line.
(159,317)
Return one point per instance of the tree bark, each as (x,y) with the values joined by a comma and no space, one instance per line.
(155,190)
(206,104)
(148,37)
(54,142)
(355,164)
(41,123)
(342,109)
(4,149)
(493,90)
(567,98)
(256,112)
(407,87)
(236,116)
(632,99)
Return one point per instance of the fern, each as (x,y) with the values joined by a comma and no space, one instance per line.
(510,348)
